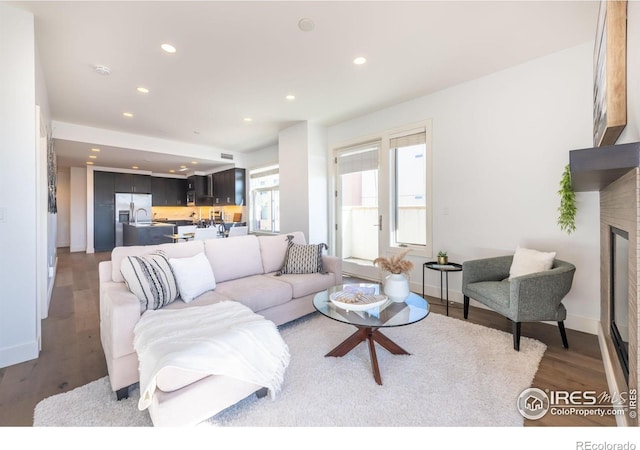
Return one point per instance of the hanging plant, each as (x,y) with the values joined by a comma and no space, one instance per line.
(567,209)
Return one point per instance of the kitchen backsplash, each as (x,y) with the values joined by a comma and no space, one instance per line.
(201,212)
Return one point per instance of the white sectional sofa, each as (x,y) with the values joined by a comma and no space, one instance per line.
(245,271)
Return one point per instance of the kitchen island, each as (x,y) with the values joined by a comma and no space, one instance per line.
(147,233)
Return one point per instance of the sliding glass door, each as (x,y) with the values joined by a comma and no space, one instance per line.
(383,202)
(358,220)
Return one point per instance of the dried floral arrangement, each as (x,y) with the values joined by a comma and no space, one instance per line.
(395,263)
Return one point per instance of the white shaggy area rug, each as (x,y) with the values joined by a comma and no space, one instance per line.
(458,374)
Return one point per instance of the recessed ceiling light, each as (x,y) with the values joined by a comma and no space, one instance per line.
(194,162)
(142,90)
(183,169)
(306,24)
(360,60)
(290,97)
(92,156)
(127,114)
(248,119)
(102,70)
(171,171)
(134,167)
(95,149)
(90,163)
(168,48)
(183,166)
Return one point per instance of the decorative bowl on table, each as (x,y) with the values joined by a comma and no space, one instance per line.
(361,299)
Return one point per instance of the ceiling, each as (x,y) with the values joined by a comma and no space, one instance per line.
(239,59)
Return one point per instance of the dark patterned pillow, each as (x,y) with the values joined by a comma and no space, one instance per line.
(301,258)
(151,279)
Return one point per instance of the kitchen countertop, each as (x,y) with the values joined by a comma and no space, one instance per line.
(150,224)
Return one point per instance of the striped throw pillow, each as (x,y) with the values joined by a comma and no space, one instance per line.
(151,279)
(303,258)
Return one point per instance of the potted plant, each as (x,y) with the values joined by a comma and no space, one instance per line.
(567,209)
(442,257)
(396,283)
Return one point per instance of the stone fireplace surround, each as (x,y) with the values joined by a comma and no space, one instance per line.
(614,171)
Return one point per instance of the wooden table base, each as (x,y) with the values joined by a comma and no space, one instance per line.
(371,335)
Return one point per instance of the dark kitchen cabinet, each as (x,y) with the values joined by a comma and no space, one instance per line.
(103,187)
(104,228)
(176,192)
(159,191)
(104,233)
(168,191)
(229,187)
(131,182)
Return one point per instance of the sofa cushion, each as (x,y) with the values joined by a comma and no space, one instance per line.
(494,294)
(193,275)
(258,292)
(307,283)
(301,258)
(274,248)
(181,250)
(527,261)
(150,279)
(234,258)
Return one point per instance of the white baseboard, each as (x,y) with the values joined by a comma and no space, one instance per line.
(52,282)
(18,354)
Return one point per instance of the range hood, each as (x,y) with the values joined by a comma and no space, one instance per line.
(593,169)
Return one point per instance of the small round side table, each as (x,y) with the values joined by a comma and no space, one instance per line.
(444,270)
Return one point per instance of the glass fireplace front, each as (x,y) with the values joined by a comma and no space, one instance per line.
(619,282)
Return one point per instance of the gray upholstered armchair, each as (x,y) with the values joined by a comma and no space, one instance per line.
(529,298)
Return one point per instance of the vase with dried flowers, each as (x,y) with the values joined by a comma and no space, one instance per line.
(396,283)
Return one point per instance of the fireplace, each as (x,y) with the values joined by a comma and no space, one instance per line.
(619,297)
(614,171)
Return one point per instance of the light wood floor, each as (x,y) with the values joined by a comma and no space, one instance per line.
(72,355)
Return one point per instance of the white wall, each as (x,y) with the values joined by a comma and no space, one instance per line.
(18,233)
(302,153)
(294,203)
(78,209)
(500,144)
(63,237)
(317,167)
(262,157)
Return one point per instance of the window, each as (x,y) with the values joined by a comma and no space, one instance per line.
(409,197)
(264,187)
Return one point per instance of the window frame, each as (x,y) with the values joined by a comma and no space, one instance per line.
(275,212)
(394,246)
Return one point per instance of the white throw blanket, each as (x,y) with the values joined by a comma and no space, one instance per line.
(225,338)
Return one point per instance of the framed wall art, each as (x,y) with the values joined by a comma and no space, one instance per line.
(610,73)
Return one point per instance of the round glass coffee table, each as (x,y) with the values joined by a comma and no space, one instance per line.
(368,322)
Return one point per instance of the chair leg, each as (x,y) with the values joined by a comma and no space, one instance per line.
(466,307)
(563,334)
(516,336)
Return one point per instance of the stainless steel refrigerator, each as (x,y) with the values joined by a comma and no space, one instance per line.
(131,208)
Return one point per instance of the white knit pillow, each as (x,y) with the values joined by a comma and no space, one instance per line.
(527,261)
(193,275)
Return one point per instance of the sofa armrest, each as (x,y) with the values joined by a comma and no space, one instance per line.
(539,294)
(119,314)
(487,269)
(104,271)
(333,264)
